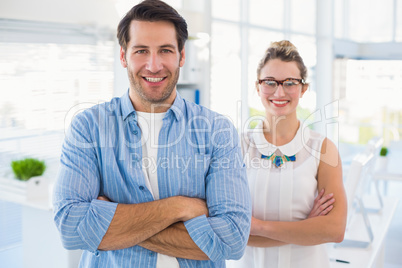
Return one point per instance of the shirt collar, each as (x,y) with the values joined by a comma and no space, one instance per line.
(289,149)
(127,107)
(176,109)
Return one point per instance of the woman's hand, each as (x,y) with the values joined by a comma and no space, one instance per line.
(322,204)
(103,198)
(255,226)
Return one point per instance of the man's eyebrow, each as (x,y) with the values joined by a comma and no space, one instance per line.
(139,46)
(162,46)
(168,45)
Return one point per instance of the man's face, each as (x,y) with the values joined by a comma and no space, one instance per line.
(153,61)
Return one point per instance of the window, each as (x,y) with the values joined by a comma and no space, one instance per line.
(398,19)
(226,9)
(225,70)
(364,20)
(369,99)
(267,13)
(340,19)
(46,73)
(303,14)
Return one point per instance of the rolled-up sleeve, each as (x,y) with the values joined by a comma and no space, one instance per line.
(224,234)
(81,219)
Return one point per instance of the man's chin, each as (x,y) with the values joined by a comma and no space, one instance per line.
(158,99)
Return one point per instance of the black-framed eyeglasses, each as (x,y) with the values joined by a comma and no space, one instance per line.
(290,85)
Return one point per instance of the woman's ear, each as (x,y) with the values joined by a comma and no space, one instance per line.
(304,89)
(257,88)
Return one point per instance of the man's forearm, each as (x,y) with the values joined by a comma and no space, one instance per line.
(134,223)
(176,242)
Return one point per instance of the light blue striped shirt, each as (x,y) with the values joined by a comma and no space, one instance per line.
(198,156)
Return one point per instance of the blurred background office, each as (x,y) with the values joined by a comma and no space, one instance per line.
(60,57)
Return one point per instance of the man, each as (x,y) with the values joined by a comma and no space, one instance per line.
(150,179)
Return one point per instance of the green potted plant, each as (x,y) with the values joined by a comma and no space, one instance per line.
(383,159)
(29,180)
(27,168)
(384,151)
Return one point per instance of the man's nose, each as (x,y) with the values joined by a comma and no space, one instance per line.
(154,63)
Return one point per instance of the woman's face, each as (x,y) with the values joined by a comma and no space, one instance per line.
(283,101)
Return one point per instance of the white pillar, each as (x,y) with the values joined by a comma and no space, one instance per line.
(327,107)
(243,111)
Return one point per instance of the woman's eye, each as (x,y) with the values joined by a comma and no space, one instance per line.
(289,83)
(270,83)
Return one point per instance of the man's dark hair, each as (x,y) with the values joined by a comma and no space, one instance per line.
(152,10)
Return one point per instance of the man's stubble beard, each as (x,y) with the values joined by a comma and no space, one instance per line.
(135,84)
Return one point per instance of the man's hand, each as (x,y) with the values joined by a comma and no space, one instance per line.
(193,207)
(322,204)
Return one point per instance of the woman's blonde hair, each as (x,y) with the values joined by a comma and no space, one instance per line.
(285,51)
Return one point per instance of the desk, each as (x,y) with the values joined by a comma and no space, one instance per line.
(392,171)
(373,256)
(42,247)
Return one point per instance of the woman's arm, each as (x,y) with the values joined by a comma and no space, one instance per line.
(315,230)
(263,242)
(323,204)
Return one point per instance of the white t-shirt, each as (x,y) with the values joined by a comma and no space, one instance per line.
(151,124)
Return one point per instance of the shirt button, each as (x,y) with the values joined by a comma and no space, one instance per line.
(135,132)
(141,188)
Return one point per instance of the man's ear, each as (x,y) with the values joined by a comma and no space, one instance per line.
(123,58)
(182,57)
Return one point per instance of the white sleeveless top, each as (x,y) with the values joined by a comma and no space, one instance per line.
(286,193)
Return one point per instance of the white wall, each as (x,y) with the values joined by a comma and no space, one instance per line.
(103,13)
(95,12)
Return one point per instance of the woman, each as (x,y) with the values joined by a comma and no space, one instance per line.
(289,168)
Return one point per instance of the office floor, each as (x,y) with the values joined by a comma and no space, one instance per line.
(393,241)
(12,257)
